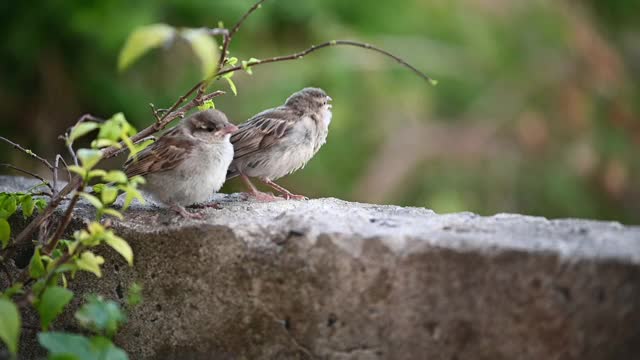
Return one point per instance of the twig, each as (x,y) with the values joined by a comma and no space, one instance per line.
(225,46)
(28,152)
(65,137)
(154,112)
(60,158)
(216,31)
(30,173)
(66,219)
(6,271)
(301,54)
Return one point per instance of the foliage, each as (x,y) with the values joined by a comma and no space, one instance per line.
(53,261)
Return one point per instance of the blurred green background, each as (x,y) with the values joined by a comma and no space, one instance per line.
(536,110)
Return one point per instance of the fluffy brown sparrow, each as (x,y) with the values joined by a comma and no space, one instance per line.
(187,162)
(279,141)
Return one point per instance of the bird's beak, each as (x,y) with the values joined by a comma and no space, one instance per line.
(229,129)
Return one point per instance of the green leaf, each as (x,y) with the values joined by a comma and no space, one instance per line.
(131,193)
(107,350)
(28,204)
(208,104)
(9,206)
(100,315)
(141,41)
(205,48)
(121,246)
(41,204)
(102,143)
(113,212)
(15,289)
(116,176)
(92,199)
(108,195)
(59,344)
(53,301)
(232,85)
(5,232)
(134,295)
(80,130)
(90,262)
(10,324)
(89,157)
(96,173)
(232,60)
(36,266)
(78,170)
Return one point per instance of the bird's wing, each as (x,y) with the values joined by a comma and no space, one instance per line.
(165,154)
(263,131)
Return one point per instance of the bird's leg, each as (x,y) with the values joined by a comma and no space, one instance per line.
(211,204)
(255,192)
(286,193)
(184,213)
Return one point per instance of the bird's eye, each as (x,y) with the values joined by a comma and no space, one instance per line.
(210,129)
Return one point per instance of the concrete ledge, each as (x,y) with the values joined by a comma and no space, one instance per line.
(329,279)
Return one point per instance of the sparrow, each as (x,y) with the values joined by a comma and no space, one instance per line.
(279,141)
(187,162)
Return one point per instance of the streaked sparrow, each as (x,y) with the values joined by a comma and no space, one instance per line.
(279,141)
(187,162)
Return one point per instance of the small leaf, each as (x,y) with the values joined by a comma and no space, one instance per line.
(9,206)
(116,176)
(28,204)
(15,289)
(59,343)
(5,232)
(141,41)
(232,60)
(109,195)
(89,157)
(131,193)
(92,199)
(96,173)
(134,295)
(41,204)
(100,315)
(102,143)
(433,82)
(78,170)
(53,301)
(205,48)
(121,246)
(10,324)
(206,105)
(90,262)
(36,266)
(81,129)
(114,213)
(232,85)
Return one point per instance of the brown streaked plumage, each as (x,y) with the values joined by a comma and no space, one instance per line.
(187,163)
(279,141)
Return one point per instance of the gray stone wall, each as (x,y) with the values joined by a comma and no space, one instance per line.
(329,279)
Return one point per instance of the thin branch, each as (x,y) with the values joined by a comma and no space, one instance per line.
(28,152)
(66,219)
(301,54)
(6,271)
(31,174)
(58,159)
(216,31)
(225,45)
(154,112)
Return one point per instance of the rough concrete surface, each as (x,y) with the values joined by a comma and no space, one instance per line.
(330,279)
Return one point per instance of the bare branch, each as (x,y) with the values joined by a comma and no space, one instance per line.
(66,219)
(28,152)
(31,174)
(225,44)
(59,159)
(4,268)
(65,137)
(301,54)
(154,112)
